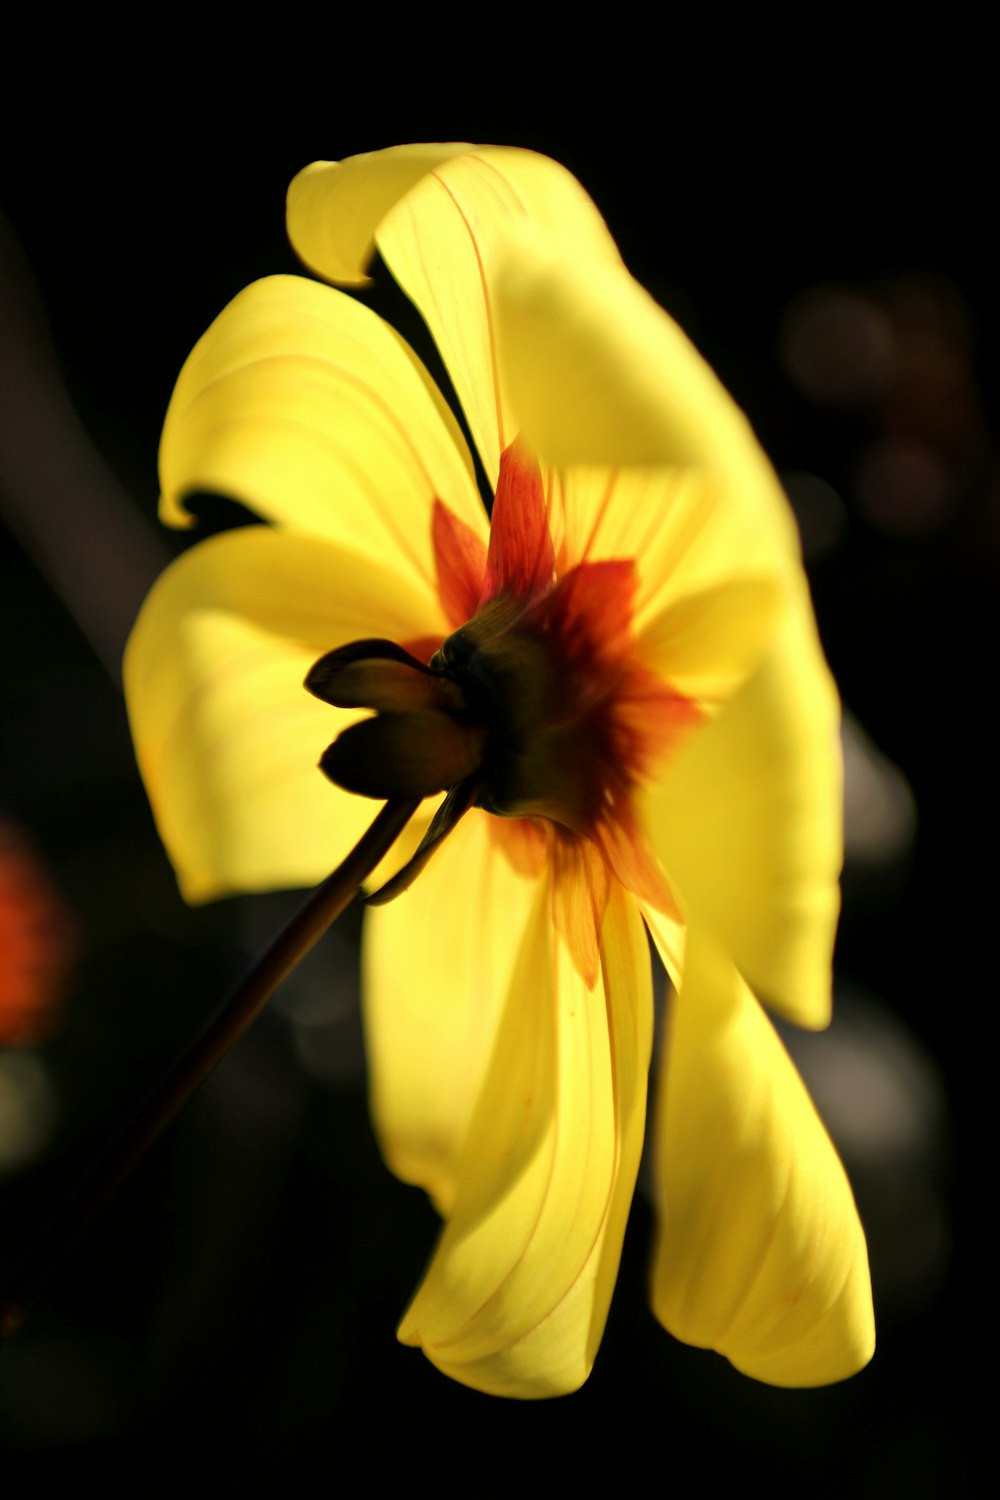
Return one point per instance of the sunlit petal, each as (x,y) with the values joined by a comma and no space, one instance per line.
(668,938)
(442,240)
(336,207)
(437,965)
(747,822)
(227,738)
(711,579)
(707,643)
(304,405)
(599,374)
(516,1297)
(760,1253)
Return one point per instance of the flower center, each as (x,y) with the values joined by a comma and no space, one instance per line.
(501,703)
(510,677)
(534,708)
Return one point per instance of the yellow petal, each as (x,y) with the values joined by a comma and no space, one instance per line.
(227,738)
(707,643)
(437,965)
(335,207)
(598,374)
(304,405)
(747,821)
(759,1253)
(711,579)
(441,240)
(516,1296)
(668,938)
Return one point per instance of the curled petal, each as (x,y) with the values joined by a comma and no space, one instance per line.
(335,207)
(516,1296)
(600,375)
(304,405)
(228,740)
(435,978)
(440,216)
(747,821)
(760,1253)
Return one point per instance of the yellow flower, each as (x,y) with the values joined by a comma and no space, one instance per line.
(626,674)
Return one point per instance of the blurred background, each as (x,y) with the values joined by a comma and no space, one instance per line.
(229,1321)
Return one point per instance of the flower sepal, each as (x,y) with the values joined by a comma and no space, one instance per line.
(421,740)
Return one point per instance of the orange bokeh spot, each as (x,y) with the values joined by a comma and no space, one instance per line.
(37,942)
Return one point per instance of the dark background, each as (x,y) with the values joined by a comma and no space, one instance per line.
(229,1321)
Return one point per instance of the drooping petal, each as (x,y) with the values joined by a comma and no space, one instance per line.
(227,738)
(600,375)
(747,821)
(441,240)
(437,964)
(304,405)
(516,1296)
(760,1253)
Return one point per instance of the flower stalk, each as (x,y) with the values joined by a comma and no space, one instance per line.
(189,1072)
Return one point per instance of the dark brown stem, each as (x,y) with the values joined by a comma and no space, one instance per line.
(191,1069)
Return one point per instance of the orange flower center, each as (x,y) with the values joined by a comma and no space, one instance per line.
(533,709)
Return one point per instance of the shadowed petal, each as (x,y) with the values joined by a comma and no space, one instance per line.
(437,964)
(303,404)
(760,1253)
(746,820)
(516,1296)
(227,738)
(441,240)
